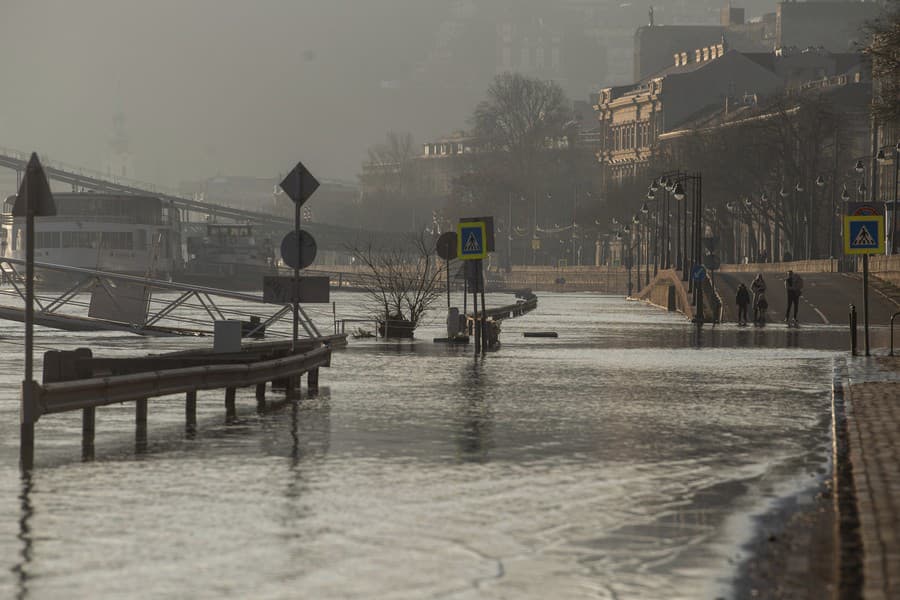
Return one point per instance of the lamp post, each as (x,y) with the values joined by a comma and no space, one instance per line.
(627,231)
(636,224)
(645,210)
(765,224)
(882,158)
(820,183)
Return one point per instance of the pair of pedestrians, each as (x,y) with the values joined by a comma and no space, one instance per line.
(793,285)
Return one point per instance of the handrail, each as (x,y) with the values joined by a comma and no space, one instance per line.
(100,391)
(893,316)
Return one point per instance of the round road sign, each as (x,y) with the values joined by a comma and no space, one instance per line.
(446,245)
(698,273)
(298,251)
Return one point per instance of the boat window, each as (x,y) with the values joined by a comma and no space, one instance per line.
(117,240)
(80,239)
(46,239)
(140,239)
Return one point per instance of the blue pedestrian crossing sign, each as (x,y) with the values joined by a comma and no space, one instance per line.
(864,234)
(471,240)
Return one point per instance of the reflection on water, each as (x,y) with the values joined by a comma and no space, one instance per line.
(619,460)
(20,569)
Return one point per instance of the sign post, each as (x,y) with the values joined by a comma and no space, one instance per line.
(472,245)
(864,234)
(698,274)
(299,185)
(34,199)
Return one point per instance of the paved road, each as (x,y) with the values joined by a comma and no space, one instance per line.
(826,297)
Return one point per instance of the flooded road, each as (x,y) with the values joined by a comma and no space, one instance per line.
(624,459)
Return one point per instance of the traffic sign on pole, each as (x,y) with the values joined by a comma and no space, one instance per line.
(299,184)
(471,240)
(864,234)
(698,273)
(298,249)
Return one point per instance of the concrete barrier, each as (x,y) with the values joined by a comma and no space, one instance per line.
(667,291)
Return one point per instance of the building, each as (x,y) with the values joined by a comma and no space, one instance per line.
(633,117)
(655,44)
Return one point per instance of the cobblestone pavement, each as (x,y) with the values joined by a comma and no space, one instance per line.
(873,421)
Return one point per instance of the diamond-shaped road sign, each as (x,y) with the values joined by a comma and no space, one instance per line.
(34,190)
(299,184)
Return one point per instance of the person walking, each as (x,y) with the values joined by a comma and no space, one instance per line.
(793,285)
(758,287)
(742,299)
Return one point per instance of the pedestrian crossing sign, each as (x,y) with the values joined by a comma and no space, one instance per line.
(864,234)
(472,240)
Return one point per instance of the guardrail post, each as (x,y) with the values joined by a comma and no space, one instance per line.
(312,381)
(140,421)
(853,330)
(87,433)
(261,396)
(190,411)
(893,316)
(230,410)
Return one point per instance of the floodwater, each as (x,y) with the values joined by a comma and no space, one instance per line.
(624,459)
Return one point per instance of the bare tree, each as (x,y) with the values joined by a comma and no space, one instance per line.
(404,280)
(518,118)
(884,50)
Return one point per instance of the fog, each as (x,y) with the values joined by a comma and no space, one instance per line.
(230,86)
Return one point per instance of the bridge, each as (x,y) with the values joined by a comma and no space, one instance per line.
(328,237)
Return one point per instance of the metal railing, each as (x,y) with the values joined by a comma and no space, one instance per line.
(100,391)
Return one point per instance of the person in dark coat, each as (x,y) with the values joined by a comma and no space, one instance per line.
(742,299)
(759,292)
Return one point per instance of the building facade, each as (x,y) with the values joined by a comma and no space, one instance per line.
(631,118)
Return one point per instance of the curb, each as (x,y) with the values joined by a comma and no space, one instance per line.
(848,557)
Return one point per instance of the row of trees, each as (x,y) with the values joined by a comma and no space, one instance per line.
(525,165)
(779,170)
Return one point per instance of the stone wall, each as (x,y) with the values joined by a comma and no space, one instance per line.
(609,280)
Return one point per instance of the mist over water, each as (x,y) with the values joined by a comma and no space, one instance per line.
(623,459)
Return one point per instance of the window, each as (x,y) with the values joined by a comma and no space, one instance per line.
(46,239)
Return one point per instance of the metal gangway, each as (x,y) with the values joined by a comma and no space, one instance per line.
(140,305)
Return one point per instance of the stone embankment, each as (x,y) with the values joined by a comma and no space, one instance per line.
(607,280)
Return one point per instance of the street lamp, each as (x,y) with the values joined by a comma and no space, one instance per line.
(627,231)
(882,158)
(636,221)
(820,183)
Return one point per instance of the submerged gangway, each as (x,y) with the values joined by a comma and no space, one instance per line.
(140,305)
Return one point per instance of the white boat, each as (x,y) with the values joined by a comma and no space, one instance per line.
(121,233)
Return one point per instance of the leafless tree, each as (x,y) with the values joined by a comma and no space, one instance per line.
(884,50)
(404,279)
(516,120)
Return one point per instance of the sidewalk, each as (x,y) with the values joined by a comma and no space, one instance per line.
(873,448)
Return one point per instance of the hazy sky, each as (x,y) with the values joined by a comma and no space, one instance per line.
(238,87)
(233,86)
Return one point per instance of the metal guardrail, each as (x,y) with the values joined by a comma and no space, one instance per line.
(511,310)
(100,391)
